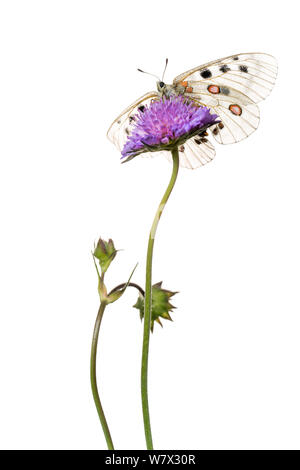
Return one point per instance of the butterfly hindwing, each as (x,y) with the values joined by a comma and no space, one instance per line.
(196,152)
(231,87)
(238,113)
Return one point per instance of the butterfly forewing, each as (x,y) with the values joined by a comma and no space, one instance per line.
(252,74)
(120,129)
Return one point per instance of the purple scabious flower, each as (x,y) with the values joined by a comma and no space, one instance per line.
(165,124)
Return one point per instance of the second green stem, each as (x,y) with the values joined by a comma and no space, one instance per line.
(100,411)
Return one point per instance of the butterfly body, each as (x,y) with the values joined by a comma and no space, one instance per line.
(231,87)
(166,90)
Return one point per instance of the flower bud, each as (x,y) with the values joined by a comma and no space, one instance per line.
(160,304)
(105,252)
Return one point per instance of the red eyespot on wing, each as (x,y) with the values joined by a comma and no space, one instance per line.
(189,89)
(214,89)
(235,109)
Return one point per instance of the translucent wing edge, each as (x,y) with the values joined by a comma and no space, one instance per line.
(184,75)
(127,111)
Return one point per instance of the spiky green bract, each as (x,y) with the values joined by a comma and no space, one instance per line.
(161,307)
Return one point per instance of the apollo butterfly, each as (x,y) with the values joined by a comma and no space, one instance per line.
(231,87)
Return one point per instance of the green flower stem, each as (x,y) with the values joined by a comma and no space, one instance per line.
(148,300)
(100,411)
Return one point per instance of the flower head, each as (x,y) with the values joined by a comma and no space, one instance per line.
(166,123)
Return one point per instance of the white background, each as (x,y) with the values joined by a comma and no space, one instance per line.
(225,373)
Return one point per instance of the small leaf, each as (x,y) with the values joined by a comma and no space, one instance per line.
(112,297)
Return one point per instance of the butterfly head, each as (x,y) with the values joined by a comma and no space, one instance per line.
(161,86)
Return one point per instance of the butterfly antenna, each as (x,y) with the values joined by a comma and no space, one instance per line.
(162,79)
(139,70)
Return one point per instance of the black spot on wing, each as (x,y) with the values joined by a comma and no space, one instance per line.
(216,129)
(236,58)
(224,68)
(243,68)
(141,108)
(206,73)
(200,141)
(225,91)
(203,134)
